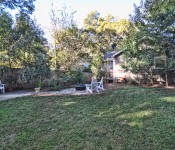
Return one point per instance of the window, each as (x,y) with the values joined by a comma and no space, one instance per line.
(111,65)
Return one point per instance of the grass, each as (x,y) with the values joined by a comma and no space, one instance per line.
(126,118)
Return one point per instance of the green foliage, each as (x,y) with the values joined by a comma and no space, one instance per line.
(101,74)
(73,77)
(35,72)
(68,43)
(22,45)
(162,6)
(6,40)
(74,46)
(66,80)
(150,36)
(87,69)
(79,78)
(26,6)
(54,84)
(100,34)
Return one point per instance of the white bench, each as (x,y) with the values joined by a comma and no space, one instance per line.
(94,86)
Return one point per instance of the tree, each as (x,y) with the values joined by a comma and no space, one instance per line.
(100,34)
(6,40)
(21,45)
(160,6)
(153,35)
(37,71)
(29,39)
(68,41)
(26,6)
(31,49)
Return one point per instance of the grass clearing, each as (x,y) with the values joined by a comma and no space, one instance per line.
(126,118)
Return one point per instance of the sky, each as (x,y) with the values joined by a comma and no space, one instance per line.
(118,8)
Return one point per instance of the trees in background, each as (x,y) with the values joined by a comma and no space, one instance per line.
(22,44)
(160,6)
(6,40)
(74,45)
(152,36)
(24,6)
(148,37)
(31,49)
(102,35)
(68,42)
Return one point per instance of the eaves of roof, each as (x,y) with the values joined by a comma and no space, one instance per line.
(119,52)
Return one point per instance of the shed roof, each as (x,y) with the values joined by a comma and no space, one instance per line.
(111,54)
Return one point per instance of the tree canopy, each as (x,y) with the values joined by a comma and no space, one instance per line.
(25,6)
(151,36)
(22,46)
(103,34)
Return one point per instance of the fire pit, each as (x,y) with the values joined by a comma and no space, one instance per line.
(80,87)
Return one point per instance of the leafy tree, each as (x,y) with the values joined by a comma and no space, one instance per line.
(25,6)
(6,40)
(37,71)
(31,48)
(161,6)
(153,35)
(69,43)
(21,45)
(29,39)
(100,34)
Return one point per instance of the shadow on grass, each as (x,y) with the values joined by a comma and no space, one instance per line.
(127,118)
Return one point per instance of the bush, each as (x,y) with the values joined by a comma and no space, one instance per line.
(101,74)
(35,72)
(54,85)
(87,69)
(66,80)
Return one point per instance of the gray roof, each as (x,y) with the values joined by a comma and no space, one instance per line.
(118,53)
(110,54)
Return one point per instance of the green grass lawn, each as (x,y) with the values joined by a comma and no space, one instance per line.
(126,118)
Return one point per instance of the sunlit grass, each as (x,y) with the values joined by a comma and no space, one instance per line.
(140,114)
(125,118)
(68,103)
(169,99)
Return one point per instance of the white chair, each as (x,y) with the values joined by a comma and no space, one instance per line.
(93,86)
(100,84)
(2,88)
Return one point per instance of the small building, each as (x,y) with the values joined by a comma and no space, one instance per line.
(112,65)
(114,61)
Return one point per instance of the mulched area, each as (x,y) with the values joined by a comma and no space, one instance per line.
(72,91)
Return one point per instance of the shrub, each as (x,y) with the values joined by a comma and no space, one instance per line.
(87,69)
(35,72)
(53,84)
(66,80)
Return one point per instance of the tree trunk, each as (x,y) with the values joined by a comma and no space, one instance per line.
(151,76)
(166,78)
(166,72)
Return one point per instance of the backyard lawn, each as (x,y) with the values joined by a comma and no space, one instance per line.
(129,117)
